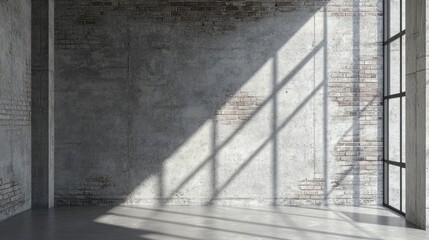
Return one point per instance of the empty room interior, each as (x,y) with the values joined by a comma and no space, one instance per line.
(214,119)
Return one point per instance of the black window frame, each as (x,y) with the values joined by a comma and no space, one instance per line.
(387,96)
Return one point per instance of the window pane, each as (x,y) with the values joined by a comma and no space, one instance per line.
(403,189)
(385,70)
(403,129)
(394,196)
(395,17)
(395,67)
(394,108)
(394,130)
(403,63)
(403,14)
(386,129)
(386,187)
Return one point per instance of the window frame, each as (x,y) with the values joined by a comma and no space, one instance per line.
(387,96)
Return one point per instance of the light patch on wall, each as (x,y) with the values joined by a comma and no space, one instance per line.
(186,159)
(212,162)
(145,188)
(259,79)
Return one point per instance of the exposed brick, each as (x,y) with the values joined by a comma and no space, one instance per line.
(238,108)
(11,195)
(352,88)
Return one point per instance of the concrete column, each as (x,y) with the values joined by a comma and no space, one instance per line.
(416,112)
(42,106)
(427,117)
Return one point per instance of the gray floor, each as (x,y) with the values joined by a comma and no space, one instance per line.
(136,223)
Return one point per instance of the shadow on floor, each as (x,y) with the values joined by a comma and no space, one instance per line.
(204,223)
(64,224)
(397,221)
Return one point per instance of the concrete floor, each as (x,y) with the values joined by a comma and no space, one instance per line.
(136,223)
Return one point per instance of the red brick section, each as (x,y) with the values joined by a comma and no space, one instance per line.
(238,108)
(353,87)
(358,95)
(312,189)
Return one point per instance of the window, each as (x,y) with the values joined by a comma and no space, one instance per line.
(394,106)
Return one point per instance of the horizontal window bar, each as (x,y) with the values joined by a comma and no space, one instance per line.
(401,94)
(400,34)
(399,164)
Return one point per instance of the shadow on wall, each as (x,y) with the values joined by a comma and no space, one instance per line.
(202,112)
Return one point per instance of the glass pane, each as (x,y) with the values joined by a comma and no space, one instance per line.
(403,63)
(385,70)
(403,189)
(394,130)
(386,129)
(395,17)
(394,196)
(386,169)
(403,129)
(395,67)
(403,14)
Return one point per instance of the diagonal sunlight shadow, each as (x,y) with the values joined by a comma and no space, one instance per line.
(365,108)
(162,210)
(151,144)
(267,141)
(195,226)
(352,221)
(347,172)
(264,103)
(286,219)
(147,141)
(280,213)
(239,232)
(162,199)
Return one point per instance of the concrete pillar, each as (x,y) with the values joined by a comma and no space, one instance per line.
(42,106)
(427,117)
(416,112)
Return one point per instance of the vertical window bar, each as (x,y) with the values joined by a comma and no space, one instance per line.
(400,189)
(400,99)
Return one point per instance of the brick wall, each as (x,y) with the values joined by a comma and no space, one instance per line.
(355,89)
(238,108)
(15,109)
(11,195)
(210,17)
(218,102)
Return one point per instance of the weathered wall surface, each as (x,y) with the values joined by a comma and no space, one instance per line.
(427,118)
(15,94)
(416,83)
(42,103)
(218,102)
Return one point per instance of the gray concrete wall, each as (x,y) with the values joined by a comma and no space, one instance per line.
(227,102)
(15,93)
(416,112)
(42,103)
(427,120)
